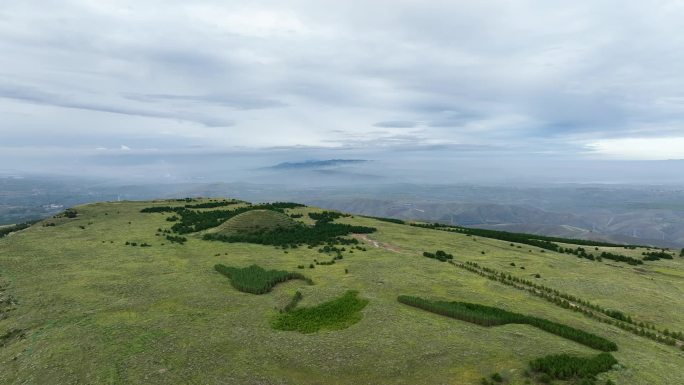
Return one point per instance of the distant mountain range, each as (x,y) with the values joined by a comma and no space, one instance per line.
(654,227)
(314,164)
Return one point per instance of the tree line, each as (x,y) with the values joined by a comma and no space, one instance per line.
(492,316)
(516,237)
(384,219)
(543,242)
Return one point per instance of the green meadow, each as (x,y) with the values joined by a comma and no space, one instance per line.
(93,310)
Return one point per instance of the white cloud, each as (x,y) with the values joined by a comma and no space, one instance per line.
(523,74)
(640,148)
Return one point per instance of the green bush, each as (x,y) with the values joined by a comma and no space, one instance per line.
(492,316)
(439,255)
(339,313)
(565,367)
(256,280)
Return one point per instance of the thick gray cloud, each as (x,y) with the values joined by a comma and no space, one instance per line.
(527,77)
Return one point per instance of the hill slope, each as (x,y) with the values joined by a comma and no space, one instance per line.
(81,304)
(255,221)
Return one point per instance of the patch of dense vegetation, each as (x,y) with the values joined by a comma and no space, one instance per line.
(298,235)
(70,213)
(176,239)
(656,255)
(327,216)
(390,220)
(339,313)
(571,302)
(256,280)
(4,231)
(322,232)
(492,316)
(192,221)
(439,255)
(566,367)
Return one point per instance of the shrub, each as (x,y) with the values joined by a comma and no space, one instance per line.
(656,255)
(439,255)
(339,313)
(256,280)
(70,213)
(176,239)
(492,316)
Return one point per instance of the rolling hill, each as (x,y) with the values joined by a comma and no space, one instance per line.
(137,293)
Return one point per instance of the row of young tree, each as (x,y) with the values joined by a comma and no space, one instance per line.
(492,316)
(571,302)
(580,252)
(255,279)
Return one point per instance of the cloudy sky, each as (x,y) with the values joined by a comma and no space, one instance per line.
(587,79)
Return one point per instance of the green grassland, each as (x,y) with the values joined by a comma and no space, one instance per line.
(93,310)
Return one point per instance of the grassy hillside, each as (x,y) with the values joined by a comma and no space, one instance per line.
(86,308)
(255,221)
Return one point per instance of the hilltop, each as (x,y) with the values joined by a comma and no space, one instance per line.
(216,291)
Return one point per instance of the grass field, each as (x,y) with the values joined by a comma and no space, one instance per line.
(96,311)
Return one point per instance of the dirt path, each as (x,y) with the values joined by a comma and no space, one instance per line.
(376,244)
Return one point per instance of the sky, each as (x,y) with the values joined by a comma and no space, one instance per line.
(98,86)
